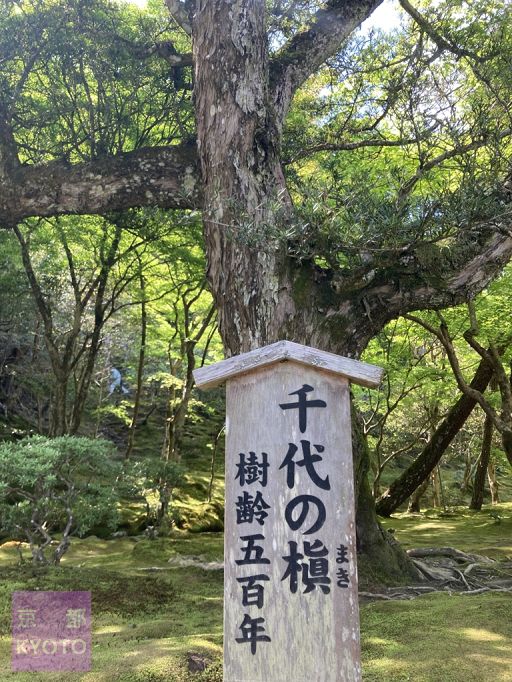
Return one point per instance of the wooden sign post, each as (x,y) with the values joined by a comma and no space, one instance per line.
(290,573)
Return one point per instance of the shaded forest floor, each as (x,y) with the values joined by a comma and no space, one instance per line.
(152,618)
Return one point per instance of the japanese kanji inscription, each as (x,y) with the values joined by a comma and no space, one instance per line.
(290,608)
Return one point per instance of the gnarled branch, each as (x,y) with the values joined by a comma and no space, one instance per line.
(388,287)
(163,48)
(443,336)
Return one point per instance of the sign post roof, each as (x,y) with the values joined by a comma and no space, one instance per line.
(358,372)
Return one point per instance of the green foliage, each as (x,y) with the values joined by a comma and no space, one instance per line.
(357,200)
(155,480)
(47,485)
(91,86)
(149,472)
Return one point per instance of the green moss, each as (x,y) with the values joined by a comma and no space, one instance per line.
(438,638)
(477,532)
(110,590)
(145,623)
(143,627)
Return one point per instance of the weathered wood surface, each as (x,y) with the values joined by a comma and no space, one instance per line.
(314,636)
(359,372)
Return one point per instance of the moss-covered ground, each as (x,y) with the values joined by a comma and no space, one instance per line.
(147,622)
(488,532)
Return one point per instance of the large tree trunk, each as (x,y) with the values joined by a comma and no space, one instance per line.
(259,293)
(245,196)
(429,458)
(477,499)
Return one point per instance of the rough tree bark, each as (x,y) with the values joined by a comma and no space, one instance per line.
(429,458)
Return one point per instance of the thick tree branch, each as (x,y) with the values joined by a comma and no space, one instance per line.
(309,49)
(164,49)
(180,15)
(161,176)
(392,285)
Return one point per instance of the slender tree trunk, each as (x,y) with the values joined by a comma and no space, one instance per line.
(165,498)
(58,410)
(215,448)
(40,415)
(429,458)
(100,315)
(140,367)
(99,404)
(176,420)
(415,499)
(87,371)
(84,382)
(65,541)
(477,498)
(493,482)
(169,416)
(438,488)
(468,470)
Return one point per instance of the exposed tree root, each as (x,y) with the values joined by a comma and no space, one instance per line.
(446,569)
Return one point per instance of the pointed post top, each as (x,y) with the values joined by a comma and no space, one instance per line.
(358,372)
